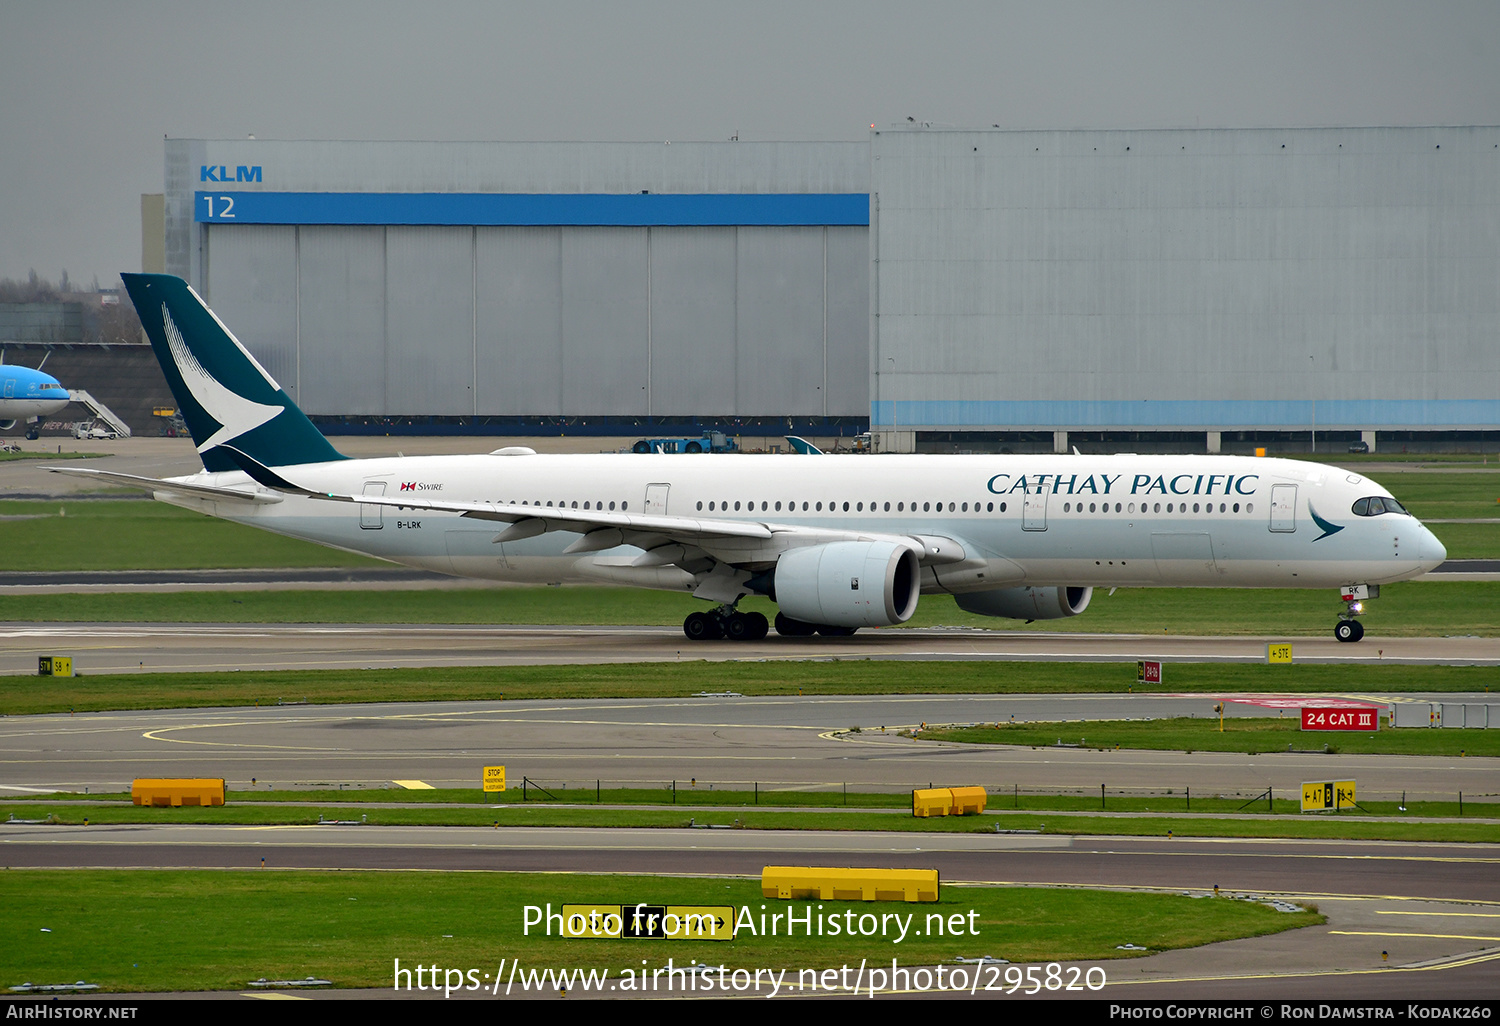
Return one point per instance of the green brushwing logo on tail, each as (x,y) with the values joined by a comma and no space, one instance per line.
(229,401)
(1326,527)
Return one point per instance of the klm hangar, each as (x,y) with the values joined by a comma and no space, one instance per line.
(535,287)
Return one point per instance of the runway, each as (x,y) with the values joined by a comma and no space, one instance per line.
(1406,921)
(771,741)
(1432,908)
(137,648)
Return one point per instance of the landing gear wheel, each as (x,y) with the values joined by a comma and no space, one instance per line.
(830,631)
(759,627)
(789,628)
(32,434)
(737,627)
(1349,630)
(702,627)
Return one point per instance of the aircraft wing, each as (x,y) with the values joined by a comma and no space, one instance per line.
(692,543)
(736,541)
(153,484)
(560,518)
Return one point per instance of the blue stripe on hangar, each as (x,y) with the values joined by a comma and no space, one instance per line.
(531,209)
(1228,414)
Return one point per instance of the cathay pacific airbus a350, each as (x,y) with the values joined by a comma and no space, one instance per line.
(837,542)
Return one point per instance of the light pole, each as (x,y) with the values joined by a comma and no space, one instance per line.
(895,421)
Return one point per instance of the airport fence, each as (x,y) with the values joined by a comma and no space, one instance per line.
(1253,798)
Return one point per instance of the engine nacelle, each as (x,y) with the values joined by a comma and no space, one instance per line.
(1026,603)
(6,425)
(849,584)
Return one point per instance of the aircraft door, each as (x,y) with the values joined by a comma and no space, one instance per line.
(1284,508)
(656,500)
(1034,512)
(10,388)
(369,516)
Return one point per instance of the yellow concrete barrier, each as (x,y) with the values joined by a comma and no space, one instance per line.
(968,801)
(827,884)
(948,801)
(937,801)
(147,791)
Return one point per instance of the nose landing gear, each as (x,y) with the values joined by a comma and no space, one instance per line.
(1348,628)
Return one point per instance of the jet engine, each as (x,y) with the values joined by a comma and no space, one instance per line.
(848,584)
(6,425)
(1027,603)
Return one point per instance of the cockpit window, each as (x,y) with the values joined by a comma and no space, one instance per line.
(1375,505)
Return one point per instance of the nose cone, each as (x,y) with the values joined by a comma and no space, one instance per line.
(1430,551)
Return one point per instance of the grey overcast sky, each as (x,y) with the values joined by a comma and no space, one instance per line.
(90,87)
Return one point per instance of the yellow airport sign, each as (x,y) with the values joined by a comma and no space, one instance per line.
(1279,653)
(1327,795)
(494,778)
(54,666)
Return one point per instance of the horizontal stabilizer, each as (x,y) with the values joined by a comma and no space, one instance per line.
(153,484)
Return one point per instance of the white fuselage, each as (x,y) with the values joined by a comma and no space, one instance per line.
(1063,520)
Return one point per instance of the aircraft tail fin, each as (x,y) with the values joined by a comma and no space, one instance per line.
(224,394)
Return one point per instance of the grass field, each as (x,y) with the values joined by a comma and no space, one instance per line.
(139,534)
(11,457)
(1417,608)
(1437,494)
(159,931)
(1250,735)
(20,695)
(351,801)
(1180,815)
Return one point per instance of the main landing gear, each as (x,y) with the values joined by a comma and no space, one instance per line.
(725,622)
(1348,628)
